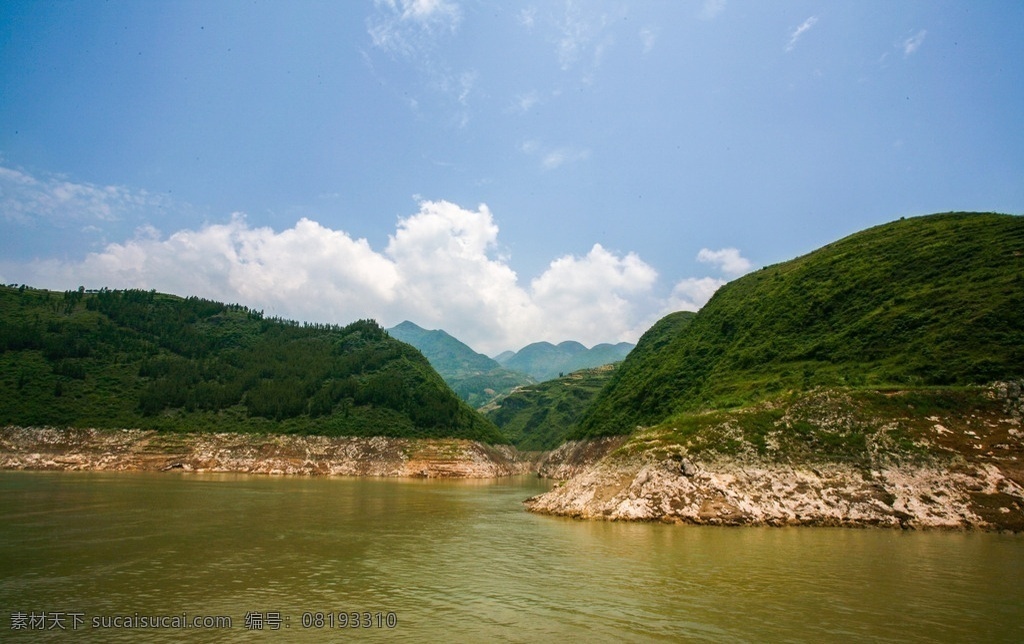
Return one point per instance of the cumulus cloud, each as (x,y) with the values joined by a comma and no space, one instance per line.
(691,293)
(593,296)
(449,276)
(308,271)
(804,27)
(441,268)
(912,44)
(728,260)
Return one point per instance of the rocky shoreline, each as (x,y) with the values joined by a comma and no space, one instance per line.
(973,477)
(50,448)
(966,472)
(730,492)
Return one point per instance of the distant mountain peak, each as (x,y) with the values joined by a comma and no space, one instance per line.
(474,376)
(571,345)
(544,360)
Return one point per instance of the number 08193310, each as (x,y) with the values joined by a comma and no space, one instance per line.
(349,619)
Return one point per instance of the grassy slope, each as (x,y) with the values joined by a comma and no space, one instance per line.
(864,427)
(138,359)
(538,417)
(928,301)
(613,406)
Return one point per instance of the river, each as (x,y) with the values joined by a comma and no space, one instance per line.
(103,554)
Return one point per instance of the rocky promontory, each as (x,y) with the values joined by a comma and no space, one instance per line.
(730,492)
(50,448)
(930,459)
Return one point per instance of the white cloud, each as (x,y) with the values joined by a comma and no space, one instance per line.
(560,156)
(648,36)
(449,277)
(527,17)
(408,26)
(800,31)
(466,82)
(711,8)
(55,200)
(728,260)
(427,10)
(525,102)
(581,36)
(692,293)
(554,157)
(442,267)
(411,31)
(529,147)
(593,296)
(912,44)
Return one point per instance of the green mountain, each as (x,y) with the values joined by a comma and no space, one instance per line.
(921,302)
(544,360)
(444,352)
(539,416)
(476,378)
(137,359)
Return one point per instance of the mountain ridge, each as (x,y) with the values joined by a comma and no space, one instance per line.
(476,378)
(545,360)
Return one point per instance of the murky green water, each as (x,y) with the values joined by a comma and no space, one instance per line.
(461,561)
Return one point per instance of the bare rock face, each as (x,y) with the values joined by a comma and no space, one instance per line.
(725,492)
(134,449)
(967,472)
(574,457)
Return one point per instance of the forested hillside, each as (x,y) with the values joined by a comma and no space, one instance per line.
(127,359)
(540,416)
(927,301)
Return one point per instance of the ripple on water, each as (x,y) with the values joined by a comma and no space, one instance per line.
(465,562)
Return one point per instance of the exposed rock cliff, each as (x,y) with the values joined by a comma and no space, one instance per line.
(954,468)
(575,457)
(725,492)
(133,449)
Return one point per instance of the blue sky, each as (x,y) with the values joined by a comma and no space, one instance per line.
(507,171)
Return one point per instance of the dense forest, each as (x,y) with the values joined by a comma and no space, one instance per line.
(133,358)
